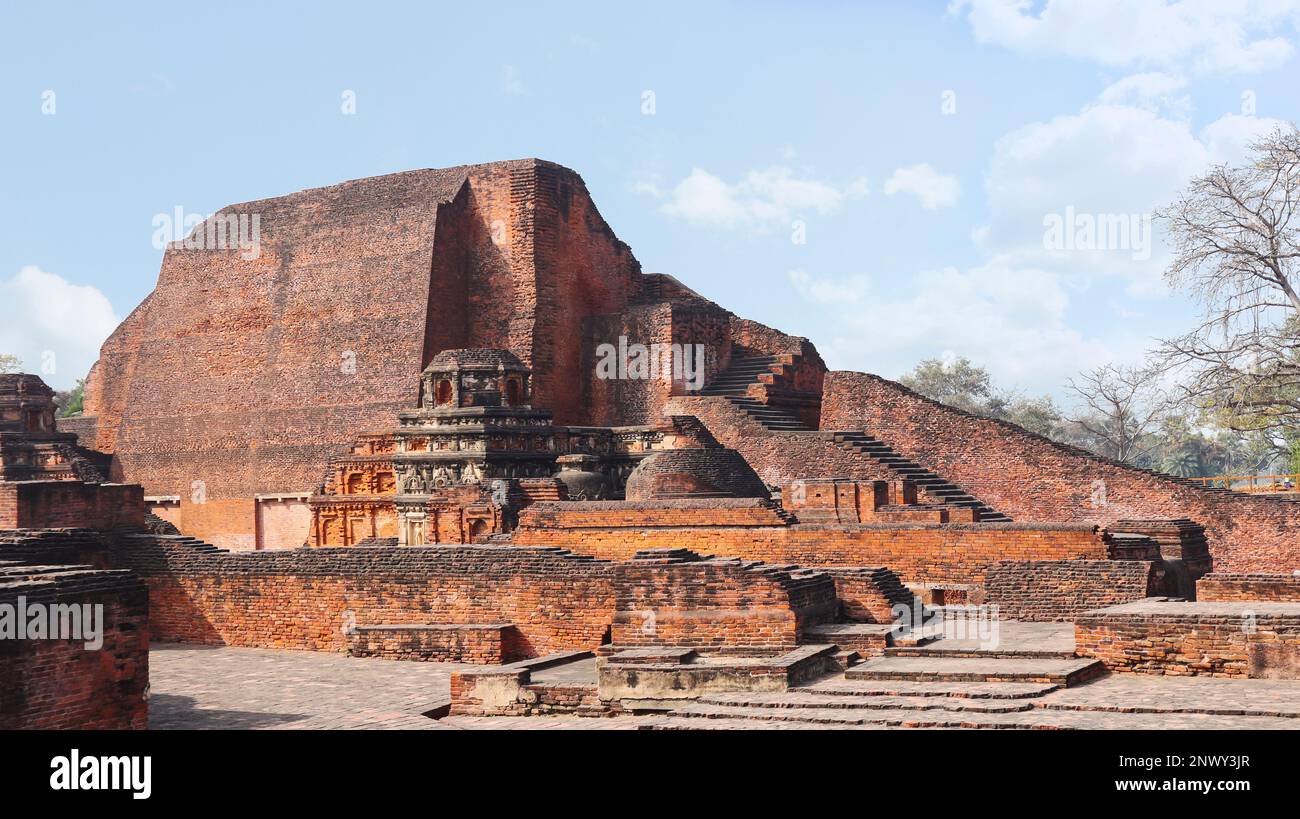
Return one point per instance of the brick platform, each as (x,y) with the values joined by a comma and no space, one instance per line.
(1236,639)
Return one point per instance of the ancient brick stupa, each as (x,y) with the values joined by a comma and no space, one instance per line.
(696,467)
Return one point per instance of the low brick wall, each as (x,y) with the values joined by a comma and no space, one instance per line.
(918,553)
(868,594)
(673,598)
(83,547)
(55,504)
(1226,586)
(490,644)
(1242,639)
(304,598)
(56,684)
(1029,477)
(1060,590)
(554,599)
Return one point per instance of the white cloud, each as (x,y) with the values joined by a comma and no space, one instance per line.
(1032,314)
(1153,90)
(1107,161)
(53,324)
(511,83)
(1228,139)
(761,198)
(829,291)
(935,190)
(1013,321)
(1240,36)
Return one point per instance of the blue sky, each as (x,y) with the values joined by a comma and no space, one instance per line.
(916,147)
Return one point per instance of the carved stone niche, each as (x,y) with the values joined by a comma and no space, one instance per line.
(475,378)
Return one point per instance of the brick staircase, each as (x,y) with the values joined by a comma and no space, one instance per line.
(914,687)
(925,480)
(735,385)
(734,382)
(184,541)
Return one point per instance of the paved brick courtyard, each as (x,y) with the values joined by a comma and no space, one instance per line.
(221,687)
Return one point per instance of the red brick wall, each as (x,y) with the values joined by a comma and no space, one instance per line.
(717,603)
(1060,590)
(1255,640)
(937,553)
(555,600)
(778,458)
(1225,586)
(1031,478)
(70,504)
(60,684)
(298,599)
(470,643)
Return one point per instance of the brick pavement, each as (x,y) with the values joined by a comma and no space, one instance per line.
(221,687)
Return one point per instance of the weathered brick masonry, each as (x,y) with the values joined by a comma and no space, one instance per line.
(1250,639)
(48,683)
(1228,586)
(671,597)
(1032,478)
(242,376)
(303,599)
(70,504)
(555,600)
(753,528)
(1060,590)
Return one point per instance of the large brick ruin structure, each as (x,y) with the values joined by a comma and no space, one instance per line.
(389,432)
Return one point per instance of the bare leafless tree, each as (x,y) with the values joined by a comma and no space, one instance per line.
(1236,238)
(1122,408)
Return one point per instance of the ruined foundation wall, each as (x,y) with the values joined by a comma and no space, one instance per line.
(1226,586)
(933,553)
(60,684)
(304,598)
(1032,478)
(1060,590)
(554,600)
(1251,639)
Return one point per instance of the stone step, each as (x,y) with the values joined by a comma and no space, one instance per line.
(805,699)
(908,688)
(978,669)
(963,653)
(703,716)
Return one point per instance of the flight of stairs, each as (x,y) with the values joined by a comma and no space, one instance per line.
(733,384)
(184,541)
(925,480)
(911,688)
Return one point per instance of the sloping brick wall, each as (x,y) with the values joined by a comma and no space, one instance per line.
(1032,478)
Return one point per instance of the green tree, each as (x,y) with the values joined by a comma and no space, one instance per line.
(967,386)
(957,383)
(10,363)
(71,402)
